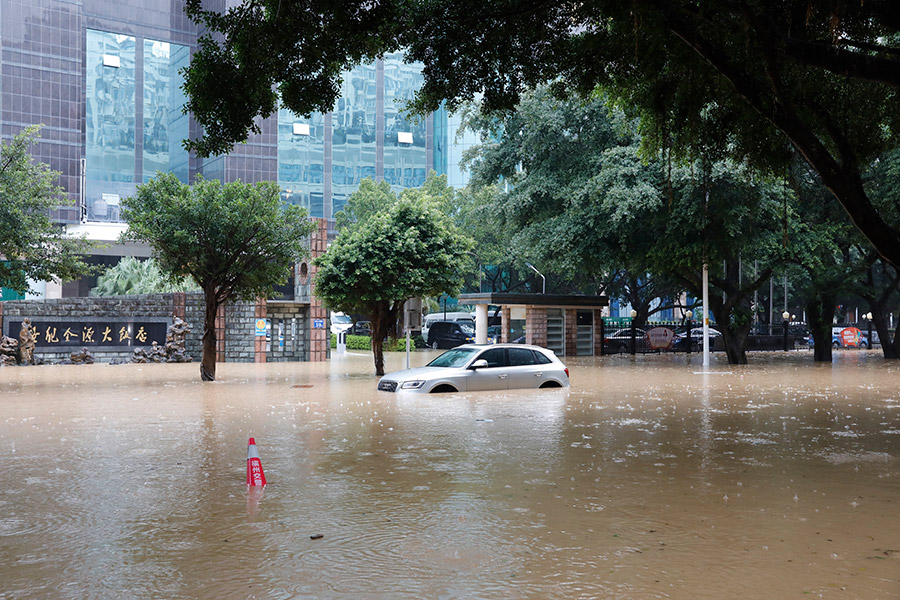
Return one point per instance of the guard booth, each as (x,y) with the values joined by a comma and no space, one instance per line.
(569,325)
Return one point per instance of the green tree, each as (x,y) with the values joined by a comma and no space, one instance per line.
(370,199)
(373,267)
(307,47)
(583,199)
(236,240)
(133,276)
(744,78)
(32,246)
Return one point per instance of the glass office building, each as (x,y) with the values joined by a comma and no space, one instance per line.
(103,77)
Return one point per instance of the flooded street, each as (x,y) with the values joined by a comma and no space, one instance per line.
(646,479)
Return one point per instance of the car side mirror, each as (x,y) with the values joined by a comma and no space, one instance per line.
(479,364)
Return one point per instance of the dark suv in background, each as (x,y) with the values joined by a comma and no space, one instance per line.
(450,334)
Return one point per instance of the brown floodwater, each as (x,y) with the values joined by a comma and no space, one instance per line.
(646,479)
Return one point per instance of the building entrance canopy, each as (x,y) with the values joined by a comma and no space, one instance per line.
(537,308)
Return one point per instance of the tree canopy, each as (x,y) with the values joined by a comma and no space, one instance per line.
(584,202)
(236,240)
(32,246)
(375,265)
(746,79)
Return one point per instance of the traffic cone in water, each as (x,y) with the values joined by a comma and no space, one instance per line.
(255,475)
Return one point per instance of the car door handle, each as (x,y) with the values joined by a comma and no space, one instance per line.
(502,376)
(539,373)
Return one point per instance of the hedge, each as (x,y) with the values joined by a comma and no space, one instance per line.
(364,342)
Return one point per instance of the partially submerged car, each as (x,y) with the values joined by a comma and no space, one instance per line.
(474,367)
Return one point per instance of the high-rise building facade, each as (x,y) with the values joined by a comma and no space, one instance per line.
(103,78)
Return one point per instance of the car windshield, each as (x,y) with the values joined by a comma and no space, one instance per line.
(341,319)
(453,358)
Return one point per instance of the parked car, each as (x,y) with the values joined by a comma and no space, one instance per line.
(475,367)
(680,343)
(362,328)
(619,340)
(429,319)
(450,334)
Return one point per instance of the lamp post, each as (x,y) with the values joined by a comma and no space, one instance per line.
(786,316)
(544,279)
(633,315)
(868,318)
(689,338)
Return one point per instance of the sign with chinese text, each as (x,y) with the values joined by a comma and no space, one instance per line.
(261,326)
(660,337)
(318,323)
(851,337)
(48,334)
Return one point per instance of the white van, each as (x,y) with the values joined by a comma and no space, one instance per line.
(427,320)
(340,322)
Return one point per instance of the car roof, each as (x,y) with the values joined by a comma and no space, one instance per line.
(507,345)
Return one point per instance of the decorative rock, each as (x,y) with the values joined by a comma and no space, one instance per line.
(173,351)
(82,358)
(9,349)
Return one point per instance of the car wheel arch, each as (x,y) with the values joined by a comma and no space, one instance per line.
(443,388)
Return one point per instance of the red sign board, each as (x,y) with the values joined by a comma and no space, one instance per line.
(850,337)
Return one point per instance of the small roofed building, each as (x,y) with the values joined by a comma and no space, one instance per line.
(570,325)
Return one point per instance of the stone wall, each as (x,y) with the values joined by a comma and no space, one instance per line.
(235,330)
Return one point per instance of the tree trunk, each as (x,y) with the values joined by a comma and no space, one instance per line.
(819,312)
(379,329)
(208,360)
(735,344)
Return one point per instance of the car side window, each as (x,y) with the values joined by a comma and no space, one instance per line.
(520,356)
(541,358)
(495,357)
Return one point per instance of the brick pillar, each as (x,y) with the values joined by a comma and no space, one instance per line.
(598,331)
(536,326)
(2,324)
(179,305)
(504,324)
(571,334)
(220,333)
(318,338)
(259,342)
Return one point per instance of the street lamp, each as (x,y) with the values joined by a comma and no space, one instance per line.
(786,316)
(544,284)
(868,317)
(689,338)
(633,315)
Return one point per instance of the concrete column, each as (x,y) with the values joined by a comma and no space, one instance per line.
(571,331)
(504,325)
(319,339)
(259,343)
(536,326)
(481,323)
(598,331)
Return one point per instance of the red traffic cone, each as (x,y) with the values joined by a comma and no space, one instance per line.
(255,475)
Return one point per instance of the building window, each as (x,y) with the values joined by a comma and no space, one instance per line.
(110,122)
(165,124)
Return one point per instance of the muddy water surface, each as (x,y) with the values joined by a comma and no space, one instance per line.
(646,479)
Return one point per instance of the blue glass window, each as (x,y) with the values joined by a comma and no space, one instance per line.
(109,123)
(405,159)
(165,124)
(353,141)
(301,160)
